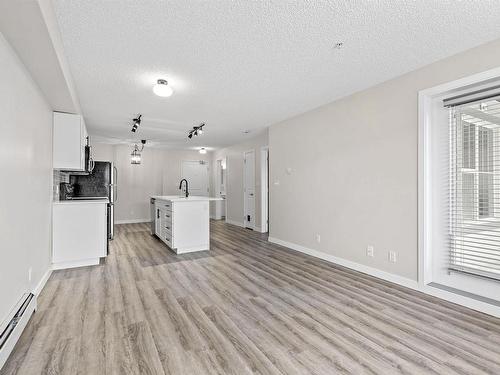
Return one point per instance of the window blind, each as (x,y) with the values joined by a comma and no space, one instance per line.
(474,195)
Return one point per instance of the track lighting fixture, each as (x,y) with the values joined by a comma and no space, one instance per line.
(135,156)
(136,123)
(197,130)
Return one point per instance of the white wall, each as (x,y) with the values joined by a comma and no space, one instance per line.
(234,177)
(26,186)
(158,174)
(354,168)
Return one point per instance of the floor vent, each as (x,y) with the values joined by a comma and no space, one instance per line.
(15,327)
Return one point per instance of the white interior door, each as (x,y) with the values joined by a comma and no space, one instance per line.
(249,188)
(196,173)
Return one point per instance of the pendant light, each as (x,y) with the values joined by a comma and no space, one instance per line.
(135,156)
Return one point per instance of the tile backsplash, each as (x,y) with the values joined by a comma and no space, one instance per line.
(58,177)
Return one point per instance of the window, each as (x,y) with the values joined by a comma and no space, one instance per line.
(474,197)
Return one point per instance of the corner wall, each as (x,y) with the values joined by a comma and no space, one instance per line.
(26,188)
(353,176)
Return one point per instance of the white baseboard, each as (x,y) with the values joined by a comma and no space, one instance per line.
(43,281)
(76,264)
(133,221)
(234,222)
(409,283)
(400,280)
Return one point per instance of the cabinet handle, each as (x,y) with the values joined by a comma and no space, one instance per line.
(157,213)
(168,227)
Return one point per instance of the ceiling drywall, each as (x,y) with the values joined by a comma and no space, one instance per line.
(243,65)
(31,29)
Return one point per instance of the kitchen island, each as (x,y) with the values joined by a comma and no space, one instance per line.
(183,224)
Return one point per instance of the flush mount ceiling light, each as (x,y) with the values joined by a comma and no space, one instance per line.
(135,156)
(137,122)
(203,150)
(197,130)
(161,88)
(338,45)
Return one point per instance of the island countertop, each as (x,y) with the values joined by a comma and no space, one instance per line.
(179,198)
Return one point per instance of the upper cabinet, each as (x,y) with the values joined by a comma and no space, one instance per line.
(70,137)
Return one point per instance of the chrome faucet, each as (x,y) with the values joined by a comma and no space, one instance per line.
(187,190)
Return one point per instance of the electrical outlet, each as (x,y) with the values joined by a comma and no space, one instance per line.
(318,238)
(370,251)
(393,257)
(30,270)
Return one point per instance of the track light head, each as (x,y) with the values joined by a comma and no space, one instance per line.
(136,122)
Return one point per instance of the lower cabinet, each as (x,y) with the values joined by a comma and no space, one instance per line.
(164,223)
(79,234)
(183,226)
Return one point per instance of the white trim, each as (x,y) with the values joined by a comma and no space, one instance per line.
(396,279)
(264,190)
(234,222)
(245,188)
(462,83)
(75,264)
(133,221)
(38,288)
(260,229)
(186,250)
(425,203)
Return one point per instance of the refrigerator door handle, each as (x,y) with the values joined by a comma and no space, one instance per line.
(115,188)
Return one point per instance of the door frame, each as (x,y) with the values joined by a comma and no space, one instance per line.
(244,190)
(264,189)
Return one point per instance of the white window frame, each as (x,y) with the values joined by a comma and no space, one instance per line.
(426,101)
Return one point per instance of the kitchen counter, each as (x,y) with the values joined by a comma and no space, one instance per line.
(178,198)
(87,201)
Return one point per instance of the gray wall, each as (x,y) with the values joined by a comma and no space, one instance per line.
(26,182)
(354,167)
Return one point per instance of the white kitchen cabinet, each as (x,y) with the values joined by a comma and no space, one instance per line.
(183,224)
(79,233)
(69,140)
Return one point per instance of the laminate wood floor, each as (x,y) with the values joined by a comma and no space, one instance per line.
(247,306)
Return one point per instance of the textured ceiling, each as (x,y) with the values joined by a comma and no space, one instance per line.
(239,65)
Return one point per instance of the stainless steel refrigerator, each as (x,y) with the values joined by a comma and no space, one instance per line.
(99,184)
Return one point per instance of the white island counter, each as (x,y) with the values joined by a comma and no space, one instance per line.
(183,224)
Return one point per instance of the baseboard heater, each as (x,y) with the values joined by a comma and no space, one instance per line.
(15,327)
